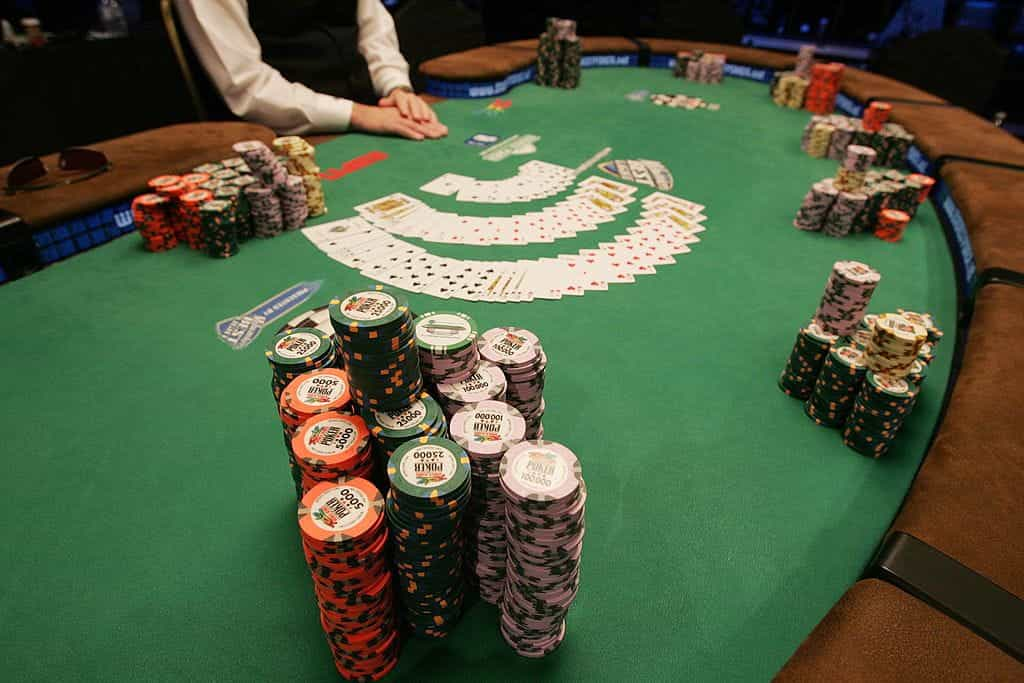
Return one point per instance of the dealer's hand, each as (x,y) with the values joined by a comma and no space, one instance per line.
(389,121)
(410,105)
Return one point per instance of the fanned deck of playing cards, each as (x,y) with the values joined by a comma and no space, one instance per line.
(535,180)
(669,227)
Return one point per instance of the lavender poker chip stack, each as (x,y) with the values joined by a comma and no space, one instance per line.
(816,205)
(520,355)
(545,500)
(486,431)
(264,210)
(262,163)
(294,209)
(446,341)
(846,297)
(842,216)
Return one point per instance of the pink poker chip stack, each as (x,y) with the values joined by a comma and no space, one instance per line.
(545,500)
(846,297)
(520,355)
(486,431)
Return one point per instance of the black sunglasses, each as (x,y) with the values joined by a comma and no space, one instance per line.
(82,162)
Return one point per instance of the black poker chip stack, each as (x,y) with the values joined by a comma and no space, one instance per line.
(559,54)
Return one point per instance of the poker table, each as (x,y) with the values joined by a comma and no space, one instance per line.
(151,517)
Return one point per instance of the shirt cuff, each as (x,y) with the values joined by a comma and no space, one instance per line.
(388,79)
(329,114)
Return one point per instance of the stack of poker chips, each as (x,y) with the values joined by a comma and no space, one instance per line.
(856,163)
(239,209)
(300,160)
(894,345)
(845,299)
(264,210)
(805,361)
(486,430)
(487,383)
(817,138)
(170,186)
(881,407)
(875,115)
(700,66)
(823,87)
(294,210)
(842,216)
(311,394)
(262,163)
(519,354)
(789,90)
(153,220)
(838,382)
(544,524)
(890,141)
(891,225)
(331,445)
(218,228)
(816,205)
(378,347)
(344,539)
(926,321)
(392,429)
(805,60)
(559,54)
(295,352)
(446,341)
(430,491)
(189,204)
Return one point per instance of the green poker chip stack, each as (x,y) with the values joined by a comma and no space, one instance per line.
(881,408)
(805,361)
(374,327)
(430,480)
(219,231)
(296,351)
(393,429)
(559,54)
(838,383)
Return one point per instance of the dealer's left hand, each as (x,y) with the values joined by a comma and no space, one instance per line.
(411,106)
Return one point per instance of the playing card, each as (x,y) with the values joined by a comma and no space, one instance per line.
(685,204)
(447,184)
(614,186)
(387,208)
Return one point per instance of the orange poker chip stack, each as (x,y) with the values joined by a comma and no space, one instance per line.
(172,187)
(875,116)
(151,213)
(823,88)
(190,218)
(194,180)
(892,223)
(344,540)
(331,445)
(926,183)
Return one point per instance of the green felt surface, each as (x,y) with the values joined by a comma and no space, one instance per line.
(149,528)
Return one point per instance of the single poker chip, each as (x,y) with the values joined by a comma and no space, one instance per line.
(331,440)
(300,347)
(340,511)
(369,309)
(318,391)
(487,383)
(412,421)
(444,332)
(488,427)
(541,471)
(509,347)
(429,468)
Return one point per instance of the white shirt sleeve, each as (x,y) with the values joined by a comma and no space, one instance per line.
(378,44)
(230,53)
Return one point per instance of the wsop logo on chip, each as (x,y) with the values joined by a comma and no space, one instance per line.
(339,508)
(369,305)
(488,426)
(428,465)
(330,436)
(297,345)
(509,344)
(540,469)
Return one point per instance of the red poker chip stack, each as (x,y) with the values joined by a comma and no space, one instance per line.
(823,88)
(875,116)
(892,223)
(189,216)
(152,216)
(344,539)
(332,445)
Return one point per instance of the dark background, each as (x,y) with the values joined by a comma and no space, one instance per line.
(76,90)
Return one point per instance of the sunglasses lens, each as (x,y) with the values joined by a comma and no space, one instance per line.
(81,159)
(25,172)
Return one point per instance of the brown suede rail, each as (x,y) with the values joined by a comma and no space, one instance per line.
(864,85)
(135,158)
(991,200)
(968,498)
(733,53)
(939,131)
(878,633)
